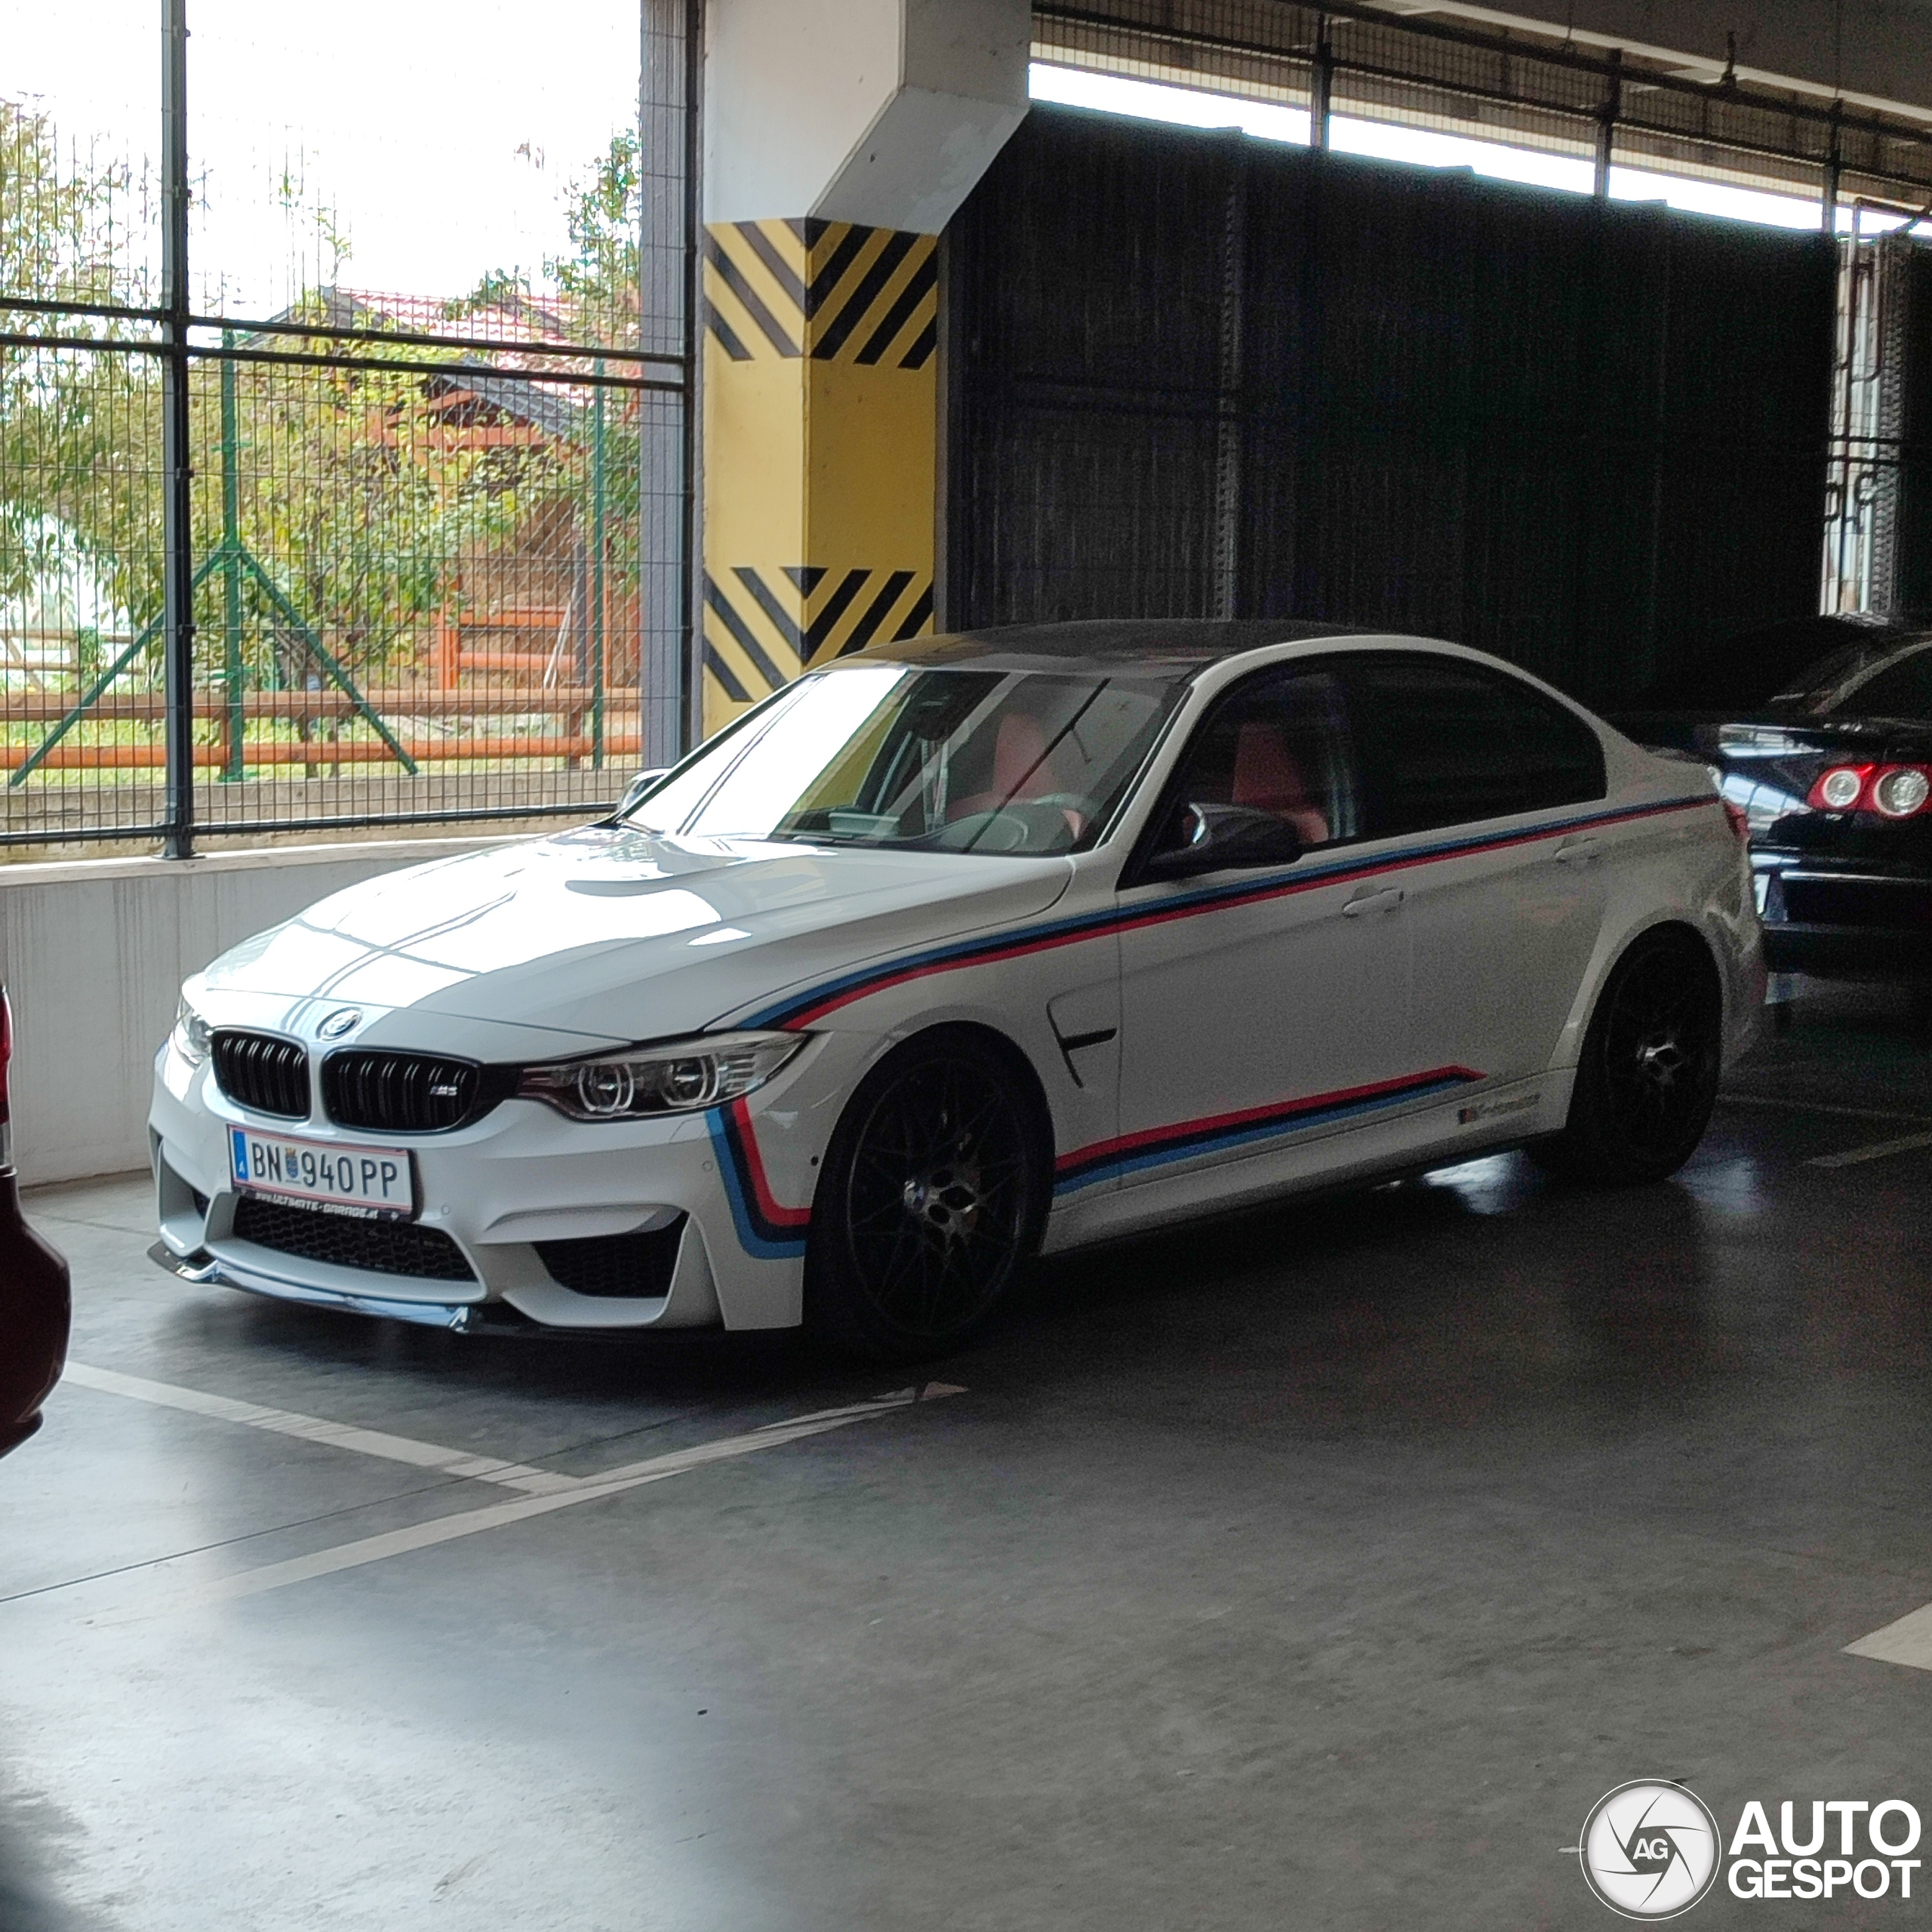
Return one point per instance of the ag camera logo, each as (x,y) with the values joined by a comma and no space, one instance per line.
(1650,1850)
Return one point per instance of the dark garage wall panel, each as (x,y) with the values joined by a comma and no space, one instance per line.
(1912,560)
(1192,374)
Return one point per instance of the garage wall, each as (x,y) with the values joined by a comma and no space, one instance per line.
(1193,374)
(1905,573)
(93,954)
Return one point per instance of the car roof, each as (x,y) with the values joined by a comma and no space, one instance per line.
(1186,645)
(1796,655)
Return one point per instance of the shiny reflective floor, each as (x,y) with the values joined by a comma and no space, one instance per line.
(1318,1569)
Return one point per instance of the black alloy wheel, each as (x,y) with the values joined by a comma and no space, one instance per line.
(1647,1079)
(931,1198)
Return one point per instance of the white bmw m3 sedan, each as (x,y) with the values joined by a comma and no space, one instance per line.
(957,950)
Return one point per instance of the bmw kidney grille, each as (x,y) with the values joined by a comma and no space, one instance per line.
(262,1072)
(409,1092)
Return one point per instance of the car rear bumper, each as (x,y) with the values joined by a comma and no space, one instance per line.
(1827,920)
(1839,951)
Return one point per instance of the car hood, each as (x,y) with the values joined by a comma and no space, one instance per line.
(601,937)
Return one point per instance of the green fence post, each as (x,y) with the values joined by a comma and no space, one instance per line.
(597,573)
(232,673)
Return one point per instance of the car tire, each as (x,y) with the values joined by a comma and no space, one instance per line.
(1648,1078)
(931,1198)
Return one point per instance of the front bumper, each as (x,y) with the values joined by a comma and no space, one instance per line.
(460,1317)
(499,1193)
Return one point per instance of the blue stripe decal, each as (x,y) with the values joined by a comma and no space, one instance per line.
(1094,925)
(737,1191)
(1187,1145)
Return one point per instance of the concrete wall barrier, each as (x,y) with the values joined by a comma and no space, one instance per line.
(93,953)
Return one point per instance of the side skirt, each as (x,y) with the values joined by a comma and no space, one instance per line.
(1458,1127)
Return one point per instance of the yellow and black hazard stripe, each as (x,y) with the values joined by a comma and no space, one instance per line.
(834,291)
(763,626)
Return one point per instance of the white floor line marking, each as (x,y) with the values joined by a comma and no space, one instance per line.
(1907,1641)
(1773,1103)
(313,1429)
(471,1522)
(1877,1151)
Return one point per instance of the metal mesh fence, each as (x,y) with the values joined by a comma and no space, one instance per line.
(418,584)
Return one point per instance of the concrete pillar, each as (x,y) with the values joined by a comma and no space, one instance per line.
(840,135)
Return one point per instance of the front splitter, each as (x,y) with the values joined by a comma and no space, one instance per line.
(457,1317)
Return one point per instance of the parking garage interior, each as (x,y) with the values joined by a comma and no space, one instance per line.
(1326,1563)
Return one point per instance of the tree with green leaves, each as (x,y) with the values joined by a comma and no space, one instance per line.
(349,486)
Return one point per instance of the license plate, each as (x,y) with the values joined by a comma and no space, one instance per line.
(372,1184)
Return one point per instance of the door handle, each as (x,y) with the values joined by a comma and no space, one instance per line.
(1578,851)
(1387,900)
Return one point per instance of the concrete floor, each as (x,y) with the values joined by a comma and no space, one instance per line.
(1319,1570)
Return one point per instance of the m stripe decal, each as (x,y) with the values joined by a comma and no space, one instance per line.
(1183,1140)
(766,1228)
(800,1010)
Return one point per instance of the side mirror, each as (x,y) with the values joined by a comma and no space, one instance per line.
(636,789)
(1219,837)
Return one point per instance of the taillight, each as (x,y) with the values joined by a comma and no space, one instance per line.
(1892,791)
(1899,790)
(1840,789)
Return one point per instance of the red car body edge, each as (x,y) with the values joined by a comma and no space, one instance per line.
(36,1304)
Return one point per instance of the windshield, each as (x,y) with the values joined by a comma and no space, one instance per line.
(944,761)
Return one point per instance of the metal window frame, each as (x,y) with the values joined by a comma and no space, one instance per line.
(664,366)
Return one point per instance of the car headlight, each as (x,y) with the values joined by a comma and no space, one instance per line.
(682,1077)
(191,1038)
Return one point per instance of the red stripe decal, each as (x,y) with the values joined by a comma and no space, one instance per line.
(767,1204)
(890,977)
(1278,1110)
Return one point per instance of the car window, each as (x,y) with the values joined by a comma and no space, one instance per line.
(1277,742)
(1444,742)
(943,760)
(1901,689)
